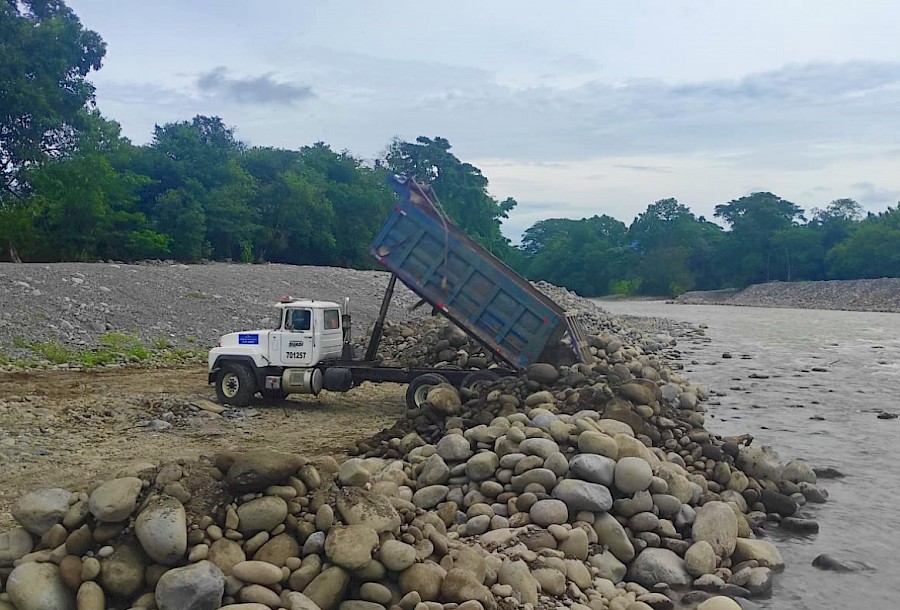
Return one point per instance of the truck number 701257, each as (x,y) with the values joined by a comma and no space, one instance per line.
(297,355)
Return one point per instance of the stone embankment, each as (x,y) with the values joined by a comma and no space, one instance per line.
(847,295)
(584,487)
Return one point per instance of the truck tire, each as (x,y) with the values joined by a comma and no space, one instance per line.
(417,391)
(235,384)
(478,378)
(337,379)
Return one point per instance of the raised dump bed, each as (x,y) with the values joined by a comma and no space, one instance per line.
(469,285)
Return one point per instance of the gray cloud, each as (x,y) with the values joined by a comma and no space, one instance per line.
(251,90)
(645,168)
(797,116)
(872,195)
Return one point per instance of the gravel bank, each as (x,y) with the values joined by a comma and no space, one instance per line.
(847,295)
(77,303)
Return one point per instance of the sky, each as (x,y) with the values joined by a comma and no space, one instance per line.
(572,108)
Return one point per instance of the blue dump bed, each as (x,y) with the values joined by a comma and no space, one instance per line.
(460,278)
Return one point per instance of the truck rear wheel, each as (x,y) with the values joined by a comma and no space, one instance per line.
(417,392)
(235,384)
(473,380)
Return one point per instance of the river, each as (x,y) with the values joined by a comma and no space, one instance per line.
(826,416)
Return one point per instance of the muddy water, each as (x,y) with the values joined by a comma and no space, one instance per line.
(826,416)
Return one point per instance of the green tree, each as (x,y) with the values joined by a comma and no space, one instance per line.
(748,255)
(587,255)
(198,184)
(461,187)
(837,221)
(84,206)
(358,195)
(677,249)
(871,251)
(45,55)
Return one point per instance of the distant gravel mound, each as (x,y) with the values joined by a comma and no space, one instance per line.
(848,295)
(77,303)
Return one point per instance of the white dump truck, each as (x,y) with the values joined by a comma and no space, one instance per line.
(310,350)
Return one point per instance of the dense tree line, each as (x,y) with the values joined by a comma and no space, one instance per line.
(667,250)
(72,188)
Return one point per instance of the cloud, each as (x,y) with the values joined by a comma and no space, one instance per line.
(802,116)
(251,90)
(869,194)
(645,168)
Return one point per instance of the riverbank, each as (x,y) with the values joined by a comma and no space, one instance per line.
(588,486)
(844,295)
(810,383)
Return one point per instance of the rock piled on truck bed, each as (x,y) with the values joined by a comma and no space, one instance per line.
(583,486)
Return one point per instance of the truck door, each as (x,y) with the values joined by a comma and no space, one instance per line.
(298,340)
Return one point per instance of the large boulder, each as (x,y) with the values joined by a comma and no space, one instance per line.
(444,399)
(582,495)
(254,470)
(434,471)
(14,544)
(454,448)
(426,579)
(760,463)
(700,559)
(548,512)
(798,471)
(39,586)
(654,565)
(261,514)
(374,510)
(328,588)
(762,551)
(198,586)
(517,575)
(611,533)
(162,530)
(716,523)
(778,503)
(40,510)
(592,467)
(351,546)
(122,573)
(633,475)
(461,586)
(542,372)
(115,500)
(396,556)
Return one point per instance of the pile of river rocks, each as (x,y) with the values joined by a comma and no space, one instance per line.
(584,487)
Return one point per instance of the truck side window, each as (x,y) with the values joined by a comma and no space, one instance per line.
(332,319)
(300,320)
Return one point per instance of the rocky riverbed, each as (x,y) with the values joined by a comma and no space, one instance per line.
(848,295)
(584,487)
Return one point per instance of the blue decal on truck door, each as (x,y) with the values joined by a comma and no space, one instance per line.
(248,339)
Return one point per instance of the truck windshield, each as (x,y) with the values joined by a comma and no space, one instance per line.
(298,320)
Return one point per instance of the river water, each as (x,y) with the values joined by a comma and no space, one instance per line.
(827,417)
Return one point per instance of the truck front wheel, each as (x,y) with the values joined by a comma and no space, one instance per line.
(235,384)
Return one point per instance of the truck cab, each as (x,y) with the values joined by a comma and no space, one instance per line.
(283,360)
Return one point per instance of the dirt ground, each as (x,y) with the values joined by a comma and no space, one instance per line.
(70,428)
